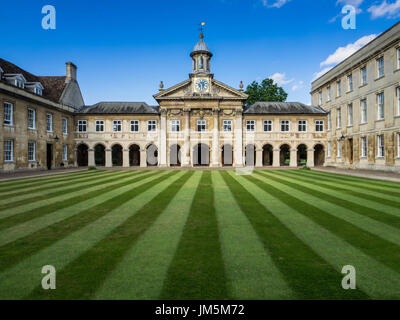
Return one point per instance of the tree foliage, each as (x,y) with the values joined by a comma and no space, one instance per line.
(267,90)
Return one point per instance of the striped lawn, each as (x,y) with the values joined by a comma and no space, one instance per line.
(199,235)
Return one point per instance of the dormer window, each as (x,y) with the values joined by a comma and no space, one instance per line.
(35,87)
(1,73)
(38,91)
(17,80)
(19,83)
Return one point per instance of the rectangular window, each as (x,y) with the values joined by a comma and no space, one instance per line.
(31,118)
(82,125)
(339,88)
(250,125)
(49,122)
(398,100)
(8,150)
(381,106)
(201,125)
(329,121)
(339,149)
(176,125)
(350,114)
(227,125)
(99,125)
(117,125)
(285,126)
(319,125)
(151,126)
(339,118)
(8,114)
(363,75)
(350,82)
(302,125)
(65,152)
(134,125)
(364,111)
(31,151)
(329,149)
(267,125)
(329,93)
(320,98)
(363,147)
(381,146)
(64,125)
(381,67)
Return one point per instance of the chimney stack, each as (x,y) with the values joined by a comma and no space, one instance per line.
(71,72)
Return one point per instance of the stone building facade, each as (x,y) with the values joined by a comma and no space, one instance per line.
(362,98)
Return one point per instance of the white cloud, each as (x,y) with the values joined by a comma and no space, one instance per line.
(390,10)
(280,78)
(275,4)
(297,86)
(342,53)
(321,73)
(355,3)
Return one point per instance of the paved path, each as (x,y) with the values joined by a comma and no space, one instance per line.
(36,173)
(372,174)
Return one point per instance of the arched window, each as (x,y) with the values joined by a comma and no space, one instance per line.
(208,64)
(201,63)
(194,64)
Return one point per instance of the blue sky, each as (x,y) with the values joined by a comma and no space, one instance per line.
(124,48)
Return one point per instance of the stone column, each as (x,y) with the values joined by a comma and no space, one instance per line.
(259,154)
(125,158)
(163,139)
(143,158)
(276,161)
(310,157)
(91,162)
(215,143)
(108,158)
(185,152)
(238,138)
(293,157)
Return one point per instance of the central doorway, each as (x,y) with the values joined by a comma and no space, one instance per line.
(49,155)
(201,155)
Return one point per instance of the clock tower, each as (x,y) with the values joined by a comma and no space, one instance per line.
(201,76)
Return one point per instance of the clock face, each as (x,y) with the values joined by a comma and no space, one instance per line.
(202,84)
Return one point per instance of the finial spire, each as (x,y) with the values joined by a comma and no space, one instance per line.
(201,30)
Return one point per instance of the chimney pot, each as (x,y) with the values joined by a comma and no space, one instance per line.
(71,72)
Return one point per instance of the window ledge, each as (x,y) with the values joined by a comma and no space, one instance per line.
(362,157)
(379,120)
(363,123)
(8,125)
(363,85)
(380,158)
(350,126)
(379,78)
(397,70)
(8,161)
(349,91)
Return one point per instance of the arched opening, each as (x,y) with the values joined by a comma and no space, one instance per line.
(302,155)
(250,155)
(201,155)
(285,155)
(268,155)
(100,155)
(227,155)
(82,155)
(175,155)
(134,155)
(116,154)
(152,155)
(319,155)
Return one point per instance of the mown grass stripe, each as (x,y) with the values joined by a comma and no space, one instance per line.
(370,181)
(373,278)
(27,238)
(295,260)
(368,208)
(62,192)
(37,181)
(374,246)
(382,230)
(111,248)
(197,269)
(25,191)
(101,187)
(61,253)
(358,192)
(250,269)
(364,188)
(141,273)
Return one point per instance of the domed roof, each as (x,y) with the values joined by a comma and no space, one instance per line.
(201,46)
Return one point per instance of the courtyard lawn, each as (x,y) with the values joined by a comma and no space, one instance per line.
(192,234)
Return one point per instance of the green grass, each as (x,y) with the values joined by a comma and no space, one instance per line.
(199,235)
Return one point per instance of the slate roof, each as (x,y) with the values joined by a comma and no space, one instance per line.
(53,86)
(266,107)
(201,46)
(119,108)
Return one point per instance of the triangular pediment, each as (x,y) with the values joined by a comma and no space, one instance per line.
(184,90)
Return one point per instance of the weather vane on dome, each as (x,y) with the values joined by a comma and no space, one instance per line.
(201,30)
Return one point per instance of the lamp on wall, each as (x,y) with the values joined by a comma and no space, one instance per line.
(342,138)
(56,139)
